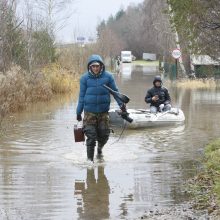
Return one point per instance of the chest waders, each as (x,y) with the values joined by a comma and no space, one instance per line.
(96,128)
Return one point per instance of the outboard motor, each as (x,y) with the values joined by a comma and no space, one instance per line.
(125,116)
(124,99)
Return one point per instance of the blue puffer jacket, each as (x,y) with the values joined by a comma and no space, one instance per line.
(93,97)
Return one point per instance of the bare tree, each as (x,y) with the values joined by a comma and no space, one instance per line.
(52,10)
(29,13)
(41,23)
(9,33)
(109,45)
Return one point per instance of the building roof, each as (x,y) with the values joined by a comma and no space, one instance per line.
(203,60)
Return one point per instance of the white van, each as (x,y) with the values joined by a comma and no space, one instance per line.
(126,57)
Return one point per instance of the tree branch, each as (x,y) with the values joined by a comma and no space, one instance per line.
(212,26)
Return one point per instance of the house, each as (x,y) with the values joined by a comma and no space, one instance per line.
(204,66)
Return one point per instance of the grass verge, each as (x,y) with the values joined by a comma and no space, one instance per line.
(205,187)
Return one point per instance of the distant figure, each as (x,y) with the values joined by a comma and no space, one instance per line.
(158,97)
(118,62)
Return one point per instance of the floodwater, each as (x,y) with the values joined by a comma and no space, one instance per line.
(44,174)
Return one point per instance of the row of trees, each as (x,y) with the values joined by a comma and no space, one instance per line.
(152,27)
(140,28)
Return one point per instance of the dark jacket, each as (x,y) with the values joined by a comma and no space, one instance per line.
(93,97)
(163,94)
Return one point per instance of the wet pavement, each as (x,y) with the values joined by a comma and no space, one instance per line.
(44,174)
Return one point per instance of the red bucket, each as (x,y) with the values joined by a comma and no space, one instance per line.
(78,134)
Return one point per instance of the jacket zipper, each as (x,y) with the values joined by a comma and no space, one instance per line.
(97,95)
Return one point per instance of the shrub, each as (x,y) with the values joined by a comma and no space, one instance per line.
(60,79)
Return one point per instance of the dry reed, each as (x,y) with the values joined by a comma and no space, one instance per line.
(18,88)
(198,84)
(60,79)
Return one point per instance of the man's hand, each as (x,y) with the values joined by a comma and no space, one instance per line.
(123,108)
(155,98)
(79,118)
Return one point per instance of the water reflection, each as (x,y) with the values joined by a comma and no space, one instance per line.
(206,97)
(94,195)
(126,70)
(150,70)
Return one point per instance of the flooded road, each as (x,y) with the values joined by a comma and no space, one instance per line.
(44,174)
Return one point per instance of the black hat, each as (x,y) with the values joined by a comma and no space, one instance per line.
(157,79)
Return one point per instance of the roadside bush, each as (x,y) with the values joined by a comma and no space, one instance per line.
(17,89)
(61,80)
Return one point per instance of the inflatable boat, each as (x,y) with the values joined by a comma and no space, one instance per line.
(143,118)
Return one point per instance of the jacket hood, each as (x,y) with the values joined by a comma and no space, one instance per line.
(95,58)
(157,79)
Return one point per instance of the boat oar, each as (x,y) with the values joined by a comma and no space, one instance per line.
(170,112)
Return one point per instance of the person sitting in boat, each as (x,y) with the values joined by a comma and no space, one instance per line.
(158,97)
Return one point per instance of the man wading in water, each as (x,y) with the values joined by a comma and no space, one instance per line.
(94,99)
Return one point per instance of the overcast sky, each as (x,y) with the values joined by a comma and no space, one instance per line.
(87,14)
